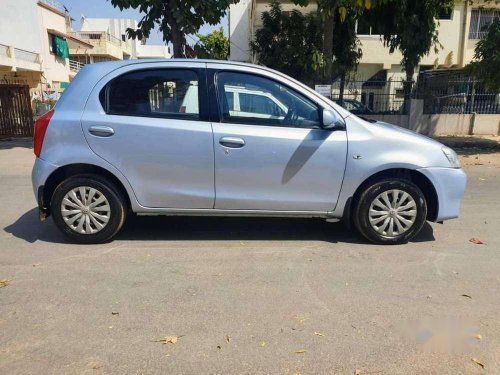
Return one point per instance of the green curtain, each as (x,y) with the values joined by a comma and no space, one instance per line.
(60,47)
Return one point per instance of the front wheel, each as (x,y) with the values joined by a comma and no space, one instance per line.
(88,209)
(391,211)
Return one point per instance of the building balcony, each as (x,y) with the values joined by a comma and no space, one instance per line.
(103,43)
(75,66)
(15,59)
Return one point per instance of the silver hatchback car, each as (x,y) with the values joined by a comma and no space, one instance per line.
(195,137)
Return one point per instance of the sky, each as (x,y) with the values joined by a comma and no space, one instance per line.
(104,9)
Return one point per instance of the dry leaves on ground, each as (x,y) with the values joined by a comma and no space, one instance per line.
(477,241)
(300,351)
(228,338)
(169,339)
(466,296)
(4,283)
(318,334)
(477,362)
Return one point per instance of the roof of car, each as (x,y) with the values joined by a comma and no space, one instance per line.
(119,63)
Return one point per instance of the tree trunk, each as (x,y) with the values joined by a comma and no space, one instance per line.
(342,88)
(408,85)
(328,27)
(178,40)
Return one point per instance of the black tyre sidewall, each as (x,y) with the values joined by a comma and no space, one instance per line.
(115,199)
(361,213)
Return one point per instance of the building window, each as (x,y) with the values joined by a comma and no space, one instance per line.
(446,14)
(124,38)
(364,26)
(480,21)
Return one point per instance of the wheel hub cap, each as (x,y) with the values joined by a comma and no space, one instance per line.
(392,213)
(85,210)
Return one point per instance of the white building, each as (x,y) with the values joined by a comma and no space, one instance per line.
(109,39)
(29,30)
(459,32)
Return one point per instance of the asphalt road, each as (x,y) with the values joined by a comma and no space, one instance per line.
(248,296)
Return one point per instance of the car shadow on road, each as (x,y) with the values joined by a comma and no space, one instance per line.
(177,228)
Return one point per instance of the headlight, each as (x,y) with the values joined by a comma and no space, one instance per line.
(452,157)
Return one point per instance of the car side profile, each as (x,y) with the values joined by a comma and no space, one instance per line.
(201,137)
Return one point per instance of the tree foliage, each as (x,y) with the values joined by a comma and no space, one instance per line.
(289,42)
(410,26)
(486,66)
(212,46)
(332,12)
(174,18)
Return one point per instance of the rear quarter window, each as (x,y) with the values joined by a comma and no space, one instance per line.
(165,93)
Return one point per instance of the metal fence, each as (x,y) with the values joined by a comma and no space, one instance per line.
(16,115)
(443,91)
(371,96)
(453,92)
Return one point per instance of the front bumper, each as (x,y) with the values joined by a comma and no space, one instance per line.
(39,175)
(450,184)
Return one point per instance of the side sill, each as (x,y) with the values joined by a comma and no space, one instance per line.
(219,212)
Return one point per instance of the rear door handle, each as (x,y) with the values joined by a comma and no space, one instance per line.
(101,131)
(232,142)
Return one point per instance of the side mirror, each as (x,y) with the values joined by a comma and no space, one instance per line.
(331,120)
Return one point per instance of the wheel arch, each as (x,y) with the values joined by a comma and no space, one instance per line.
(69,170)
(412,175)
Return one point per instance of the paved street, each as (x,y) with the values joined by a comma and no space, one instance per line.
(248,296)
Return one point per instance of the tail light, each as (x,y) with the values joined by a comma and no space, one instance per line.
(41,125)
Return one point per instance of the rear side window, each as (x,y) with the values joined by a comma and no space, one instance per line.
(164,93)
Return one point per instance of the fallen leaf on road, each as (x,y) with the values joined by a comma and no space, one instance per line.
(219,347)
(357,372)
(482,179)
(466,295)
(228,338)
(115,313)
(478,336)
(96,366)
(318,334)
(168,339)
(300,351)
(477,241)
(263,344)
(4,283)
(477,362)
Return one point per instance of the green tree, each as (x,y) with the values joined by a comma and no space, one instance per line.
(175,18)
(212,46)
(410,26)
(333,12)
(346,48)
(289,42)
(486,64)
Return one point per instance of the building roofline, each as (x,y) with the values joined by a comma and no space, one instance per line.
(70,37)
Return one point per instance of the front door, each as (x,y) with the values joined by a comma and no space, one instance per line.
(149,125)
(271,153)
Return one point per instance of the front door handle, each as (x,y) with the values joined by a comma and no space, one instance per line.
(232,142)
(101,131)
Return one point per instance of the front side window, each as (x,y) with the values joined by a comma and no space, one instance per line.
(257,100)
(165,93)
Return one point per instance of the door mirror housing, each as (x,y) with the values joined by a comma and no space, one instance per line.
(331,120)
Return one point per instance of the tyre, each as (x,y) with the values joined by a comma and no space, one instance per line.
(88,209)
(391,212)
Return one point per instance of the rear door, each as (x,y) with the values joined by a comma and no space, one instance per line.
(151,123)
(270,152)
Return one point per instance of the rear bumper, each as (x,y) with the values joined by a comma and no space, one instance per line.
(39,175)
(450,184)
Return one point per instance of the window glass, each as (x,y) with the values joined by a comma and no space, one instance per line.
(167,93)
(263,101)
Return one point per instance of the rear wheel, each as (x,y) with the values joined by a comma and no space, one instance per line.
(391,211)
(88,209)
